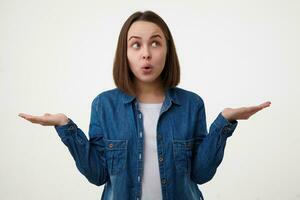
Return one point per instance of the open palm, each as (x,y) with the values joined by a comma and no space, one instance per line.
(47,119)
(243,112)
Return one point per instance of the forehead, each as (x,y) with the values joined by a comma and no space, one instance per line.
(144,29)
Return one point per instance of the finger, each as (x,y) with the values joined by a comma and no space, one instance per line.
(33,119)
(251,109)
(25,116)
(260,107)
(254,109)
(247,112)
(265,104)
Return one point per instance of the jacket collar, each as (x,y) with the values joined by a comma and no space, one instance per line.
(170,95)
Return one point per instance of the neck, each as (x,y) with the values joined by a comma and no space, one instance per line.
(150,92)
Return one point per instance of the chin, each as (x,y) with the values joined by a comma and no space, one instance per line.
(147,79)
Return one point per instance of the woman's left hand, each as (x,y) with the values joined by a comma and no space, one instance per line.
(232,114)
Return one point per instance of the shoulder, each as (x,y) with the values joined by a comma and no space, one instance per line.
(107,95)
(113,97)
(184,95)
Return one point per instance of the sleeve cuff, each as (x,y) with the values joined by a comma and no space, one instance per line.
(227,127)
(67,129)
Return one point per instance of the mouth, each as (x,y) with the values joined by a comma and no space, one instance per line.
(147,68)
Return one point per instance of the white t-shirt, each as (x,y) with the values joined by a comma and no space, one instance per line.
(151,185)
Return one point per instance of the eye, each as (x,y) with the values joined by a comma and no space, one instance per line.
(135,45)
(156,43)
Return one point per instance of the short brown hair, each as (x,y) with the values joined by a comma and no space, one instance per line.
(122,74)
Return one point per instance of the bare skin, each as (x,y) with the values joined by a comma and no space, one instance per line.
(150,92)
(147,45)
(243,112)
(47,119)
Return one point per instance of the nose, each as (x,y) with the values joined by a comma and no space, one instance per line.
(146,54)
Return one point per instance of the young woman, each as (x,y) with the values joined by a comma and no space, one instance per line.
(148,139)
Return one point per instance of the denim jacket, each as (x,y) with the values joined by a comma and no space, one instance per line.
(113,154)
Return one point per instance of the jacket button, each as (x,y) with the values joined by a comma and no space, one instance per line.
(110,145)
(226,129)
(189,145)
(161,159)
(163,181)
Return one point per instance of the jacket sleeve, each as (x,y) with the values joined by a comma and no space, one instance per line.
(88,154)
(209,147)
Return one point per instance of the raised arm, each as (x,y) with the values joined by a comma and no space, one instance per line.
(88,154)
(209,147)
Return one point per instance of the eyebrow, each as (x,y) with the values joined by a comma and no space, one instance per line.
(153,36)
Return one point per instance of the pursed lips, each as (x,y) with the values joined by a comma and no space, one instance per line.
(147,66)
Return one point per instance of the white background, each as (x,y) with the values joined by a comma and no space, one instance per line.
(56,56)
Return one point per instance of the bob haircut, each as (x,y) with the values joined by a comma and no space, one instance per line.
(122,74)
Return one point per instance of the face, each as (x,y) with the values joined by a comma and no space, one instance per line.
(146,51)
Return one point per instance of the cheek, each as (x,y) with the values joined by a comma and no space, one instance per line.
(132,61)
(161,57)
(130,57)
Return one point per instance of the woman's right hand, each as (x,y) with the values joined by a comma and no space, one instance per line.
(47,119)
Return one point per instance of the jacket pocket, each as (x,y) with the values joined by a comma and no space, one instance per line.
(182,151)
(116,155)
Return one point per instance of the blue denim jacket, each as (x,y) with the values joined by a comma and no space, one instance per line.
(113,155)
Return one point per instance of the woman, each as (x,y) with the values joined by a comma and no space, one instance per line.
(148,138)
